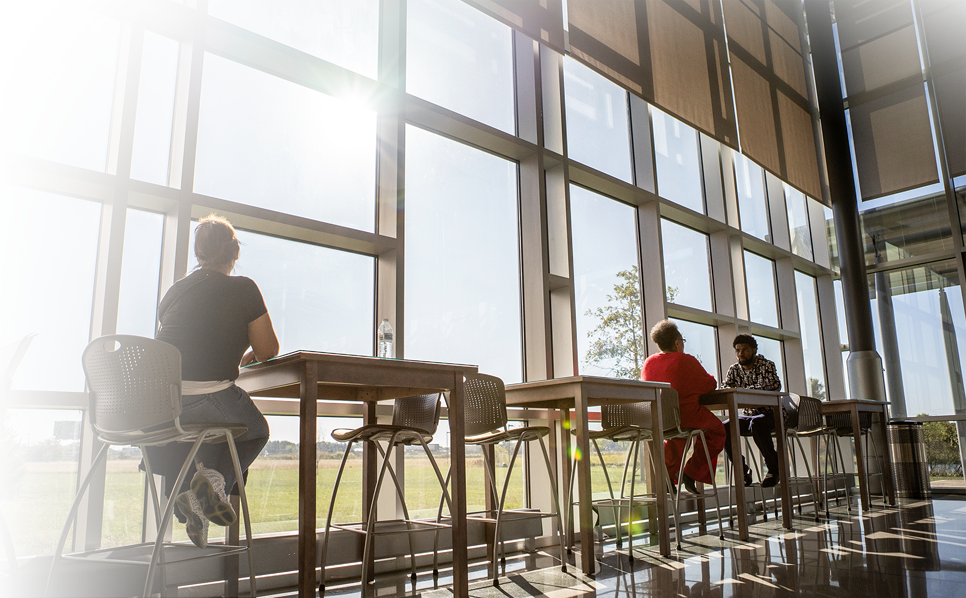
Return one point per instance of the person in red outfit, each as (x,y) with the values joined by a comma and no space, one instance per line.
(686,375)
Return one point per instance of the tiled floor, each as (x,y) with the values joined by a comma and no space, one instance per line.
(914,550)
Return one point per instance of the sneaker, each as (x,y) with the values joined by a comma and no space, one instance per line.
(208,488)
(688,482)
(188,511)
(770,481)
(748,480)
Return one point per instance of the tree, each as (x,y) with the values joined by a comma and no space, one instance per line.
(12,467)
(816,389)
(45,451)
(618,338)
(942,449)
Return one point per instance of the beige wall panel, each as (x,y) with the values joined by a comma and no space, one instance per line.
(744,27)
(880,62)
(756,120)
(788,64)
(798,138)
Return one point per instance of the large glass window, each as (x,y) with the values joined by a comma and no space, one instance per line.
(809,323)
(39,469)
(319,299)
(700,341)
(598,131)
(610,327)
(155,113)
(462,60)
(687,266)
(905,225)
(752,206)
(273,144)
(678,161)
(50,283)
(61,60)
(798,227)
(771,349)
(140,273)
(344,33)
(123,497)
(462,256)
(760,278)
(920,328)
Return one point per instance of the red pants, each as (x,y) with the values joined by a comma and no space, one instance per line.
(696,416)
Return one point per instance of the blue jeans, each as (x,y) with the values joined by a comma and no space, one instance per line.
(229,406)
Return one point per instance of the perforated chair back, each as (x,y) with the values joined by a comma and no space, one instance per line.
(485,407)
(10,357)
(670,411)
(842,422)
(134,382)
(809,414)
(637,415)
(420,412)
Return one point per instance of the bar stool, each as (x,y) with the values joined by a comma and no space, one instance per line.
(485,418)
(135,399)
(628,422)
(414,421)
(841,424)
(808,425)
(10,357)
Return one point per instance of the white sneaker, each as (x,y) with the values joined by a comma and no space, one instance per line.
(208,488)
(188,511)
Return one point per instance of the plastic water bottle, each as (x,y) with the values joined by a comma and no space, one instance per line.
(384,336)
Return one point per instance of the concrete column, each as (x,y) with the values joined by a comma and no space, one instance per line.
(864,363)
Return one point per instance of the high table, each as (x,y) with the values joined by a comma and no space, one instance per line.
(854,407)
(310,376)
(731,400)
(579,393)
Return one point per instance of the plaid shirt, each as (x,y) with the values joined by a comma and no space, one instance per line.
(763,375)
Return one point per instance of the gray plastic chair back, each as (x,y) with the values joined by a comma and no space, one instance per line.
(10,357)
(637,415)
(485,407)
(670,409)
(134,382)
(420,412)
(809,414)
(842,422)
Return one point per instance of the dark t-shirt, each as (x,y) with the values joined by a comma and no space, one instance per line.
(206,316)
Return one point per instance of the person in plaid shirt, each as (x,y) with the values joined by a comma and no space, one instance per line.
(754,371)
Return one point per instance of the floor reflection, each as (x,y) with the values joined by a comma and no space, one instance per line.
(913,550)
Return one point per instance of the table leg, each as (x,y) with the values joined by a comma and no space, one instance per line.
(588,561)
(565,440)
(786,491)
(657,471)
(370,473)
(890,483)
(458,497)
(308,413)
(737,471)
(860,458)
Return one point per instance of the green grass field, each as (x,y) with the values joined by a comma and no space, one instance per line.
(35,507)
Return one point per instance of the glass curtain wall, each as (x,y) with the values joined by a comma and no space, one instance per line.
(350,195)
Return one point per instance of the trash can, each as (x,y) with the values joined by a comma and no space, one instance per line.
(907,443)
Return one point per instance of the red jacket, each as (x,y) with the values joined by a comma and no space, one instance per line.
(683,372)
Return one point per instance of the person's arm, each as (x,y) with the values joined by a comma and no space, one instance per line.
(769,377)
(702,380)
(731,380)
(261,334)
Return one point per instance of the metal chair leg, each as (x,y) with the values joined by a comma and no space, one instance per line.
(328,517)
(556,504)
(610,489)
(72,515)
(714,484)
(497,539)
(371,521)
(243,498)
(169,510)
(402,499)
